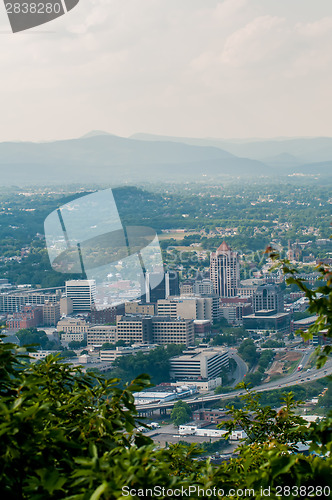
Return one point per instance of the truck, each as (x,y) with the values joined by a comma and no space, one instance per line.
(154,425)
(299,368)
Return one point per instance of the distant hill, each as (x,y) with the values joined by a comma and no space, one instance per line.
(101,157)
(302,149)
(94,133)
(108,158)
(105,150)
(283,159)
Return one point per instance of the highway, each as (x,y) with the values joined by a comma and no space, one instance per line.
(295,378)
(241,369)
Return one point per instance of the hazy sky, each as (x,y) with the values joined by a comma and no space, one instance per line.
(199,68)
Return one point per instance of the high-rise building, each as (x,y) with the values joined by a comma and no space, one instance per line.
(66,306)
(187,287)
(225,271)
(268,298)
(82,293)
(152,292)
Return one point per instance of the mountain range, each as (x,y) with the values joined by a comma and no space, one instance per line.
(101,157)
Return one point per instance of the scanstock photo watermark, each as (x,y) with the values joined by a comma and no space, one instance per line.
(93,235)
(27,14)
(195,491)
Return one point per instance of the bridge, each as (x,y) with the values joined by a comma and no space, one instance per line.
(199,401)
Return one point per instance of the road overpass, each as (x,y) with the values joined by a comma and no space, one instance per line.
(296,378)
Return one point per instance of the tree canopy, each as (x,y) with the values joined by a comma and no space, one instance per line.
(181,413)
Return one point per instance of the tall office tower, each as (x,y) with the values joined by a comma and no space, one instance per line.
(268,297)
(82,293)
(168,286)
(225,271)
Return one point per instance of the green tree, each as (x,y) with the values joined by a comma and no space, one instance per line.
(70,435)
(271,344)
(74,344)
(28,336)
(181,413)
(67,353)
(107,346)
(264,425)
(248,351)
(221,339)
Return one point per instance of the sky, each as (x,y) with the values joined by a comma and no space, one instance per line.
(193,68)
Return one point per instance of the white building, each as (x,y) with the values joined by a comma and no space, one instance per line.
(112,354)
(72,329)
(202,385)
(42,354)
(198,364)
(72,325)
(163,396)
(82,293)
(195,430)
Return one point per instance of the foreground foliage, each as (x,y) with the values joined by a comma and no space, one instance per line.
(319,298)
(70,435)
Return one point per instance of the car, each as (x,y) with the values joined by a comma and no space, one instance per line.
(302,379)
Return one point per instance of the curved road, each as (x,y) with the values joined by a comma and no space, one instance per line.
(241,369)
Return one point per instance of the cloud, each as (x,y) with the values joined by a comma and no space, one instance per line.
(317,29)
(257,41)
(202,67)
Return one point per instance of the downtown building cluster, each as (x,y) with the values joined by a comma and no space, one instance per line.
(169,313)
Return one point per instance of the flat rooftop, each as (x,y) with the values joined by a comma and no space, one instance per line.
(268,316)
(197,356)
(306,321)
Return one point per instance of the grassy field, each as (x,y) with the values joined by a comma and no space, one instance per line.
(176,236)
